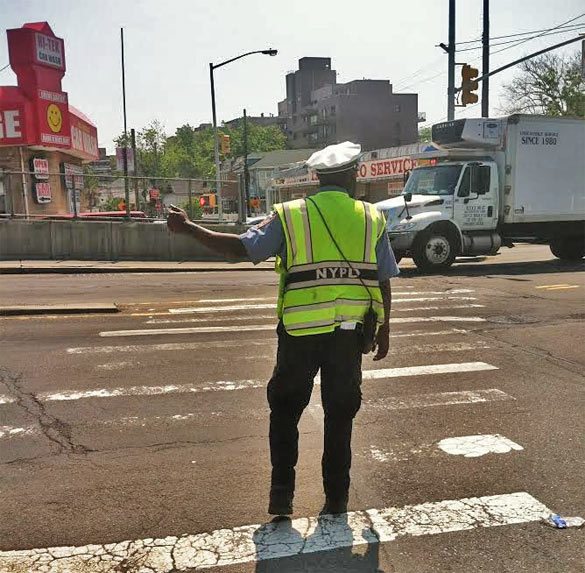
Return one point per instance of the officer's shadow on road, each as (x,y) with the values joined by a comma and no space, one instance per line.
(282,548)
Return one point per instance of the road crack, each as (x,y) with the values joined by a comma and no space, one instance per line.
(54,429)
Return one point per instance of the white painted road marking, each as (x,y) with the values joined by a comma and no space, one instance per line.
(466,446)
(315,410)
(397,297)
(277,540)
(476,446)
(440,399)
(423,370)
(260,327)
(272,316)
(191,310)
(179,346)
(13,432)
(191,330)
(270,356)
(223,385)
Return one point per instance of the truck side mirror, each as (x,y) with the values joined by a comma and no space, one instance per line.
(408,197)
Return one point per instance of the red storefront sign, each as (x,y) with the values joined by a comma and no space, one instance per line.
(385,168)
(37,112)
(83,136)
(40,168)
(12,124)
(43,192)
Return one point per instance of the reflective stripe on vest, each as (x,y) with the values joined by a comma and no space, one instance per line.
(318,289)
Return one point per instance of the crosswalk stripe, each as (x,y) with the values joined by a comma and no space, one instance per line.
(415,401)
(412,349)
(232,308)
(465,446)
(179,346)
(277,540)
(424,370)
(229,385)
(431,400)
(271,316)
(12,431)
(270,326)
(269,356)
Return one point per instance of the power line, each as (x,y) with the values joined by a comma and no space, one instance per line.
(6,66)
(539,35)
(579,27)
(518,34)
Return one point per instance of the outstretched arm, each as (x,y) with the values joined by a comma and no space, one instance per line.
(227,244)
(383,336)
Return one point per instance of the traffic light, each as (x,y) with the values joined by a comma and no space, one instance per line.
(207,200)
(469,84)
(225,144)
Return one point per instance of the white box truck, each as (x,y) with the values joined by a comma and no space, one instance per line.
(493,182)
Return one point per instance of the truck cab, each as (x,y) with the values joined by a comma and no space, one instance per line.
(447,208)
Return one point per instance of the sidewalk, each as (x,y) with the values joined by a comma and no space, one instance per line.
(78,267)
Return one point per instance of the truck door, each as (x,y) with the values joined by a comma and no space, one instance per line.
(475,204)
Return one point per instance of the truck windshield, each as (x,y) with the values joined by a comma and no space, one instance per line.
(436,180)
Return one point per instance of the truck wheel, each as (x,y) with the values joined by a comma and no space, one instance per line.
(434,250)
(568,248)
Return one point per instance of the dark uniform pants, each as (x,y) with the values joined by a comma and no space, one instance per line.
(299,358)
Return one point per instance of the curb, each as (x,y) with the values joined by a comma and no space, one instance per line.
(104,270)
(39,309)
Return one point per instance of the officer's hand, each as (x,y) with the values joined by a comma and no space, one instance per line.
(177,220)
(382,342)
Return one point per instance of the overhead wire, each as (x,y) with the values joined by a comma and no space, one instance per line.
(516,35)
(538,35)
(579,27)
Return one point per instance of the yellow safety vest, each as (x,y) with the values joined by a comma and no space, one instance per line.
(318,289)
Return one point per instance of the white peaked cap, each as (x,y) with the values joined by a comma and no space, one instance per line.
(335,158)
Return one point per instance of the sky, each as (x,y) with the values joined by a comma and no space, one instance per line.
(168,47)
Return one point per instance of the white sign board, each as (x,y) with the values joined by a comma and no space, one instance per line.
(49,51)
(120,159)
(41,168)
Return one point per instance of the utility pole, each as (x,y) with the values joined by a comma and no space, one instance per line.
(485,68)
(451,52)
(126,186)
(246,170)
(133,143)
(216,145)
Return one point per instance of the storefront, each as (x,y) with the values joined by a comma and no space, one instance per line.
(381,174)
(44,141)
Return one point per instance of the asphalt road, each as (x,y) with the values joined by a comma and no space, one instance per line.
(137,442)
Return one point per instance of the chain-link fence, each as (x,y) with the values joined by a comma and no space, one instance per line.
(78,194)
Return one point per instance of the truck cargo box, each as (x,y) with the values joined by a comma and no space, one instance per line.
(544,178)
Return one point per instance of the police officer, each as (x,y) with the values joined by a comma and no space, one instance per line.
(335,262)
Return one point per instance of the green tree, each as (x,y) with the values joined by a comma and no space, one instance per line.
(150,149)
(551,84)
(424,135)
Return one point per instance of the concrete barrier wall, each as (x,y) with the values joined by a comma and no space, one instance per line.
(101,241)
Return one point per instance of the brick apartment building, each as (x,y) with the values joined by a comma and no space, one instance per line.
(319,111)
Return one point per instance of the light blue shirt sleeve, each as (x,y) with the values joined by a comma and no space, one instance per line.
(265,240)
(387,267)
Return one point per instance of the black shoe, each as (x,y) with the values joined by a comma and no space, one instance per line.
(334,507)
(281,502)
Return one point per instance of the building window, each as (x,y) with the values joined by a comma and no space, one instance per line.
(397,108)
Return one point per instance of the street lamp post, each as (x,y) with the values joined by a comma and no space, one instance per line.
(212,67)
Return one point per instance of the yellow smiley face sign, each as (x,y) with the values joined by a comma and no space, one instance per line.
(54,118)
